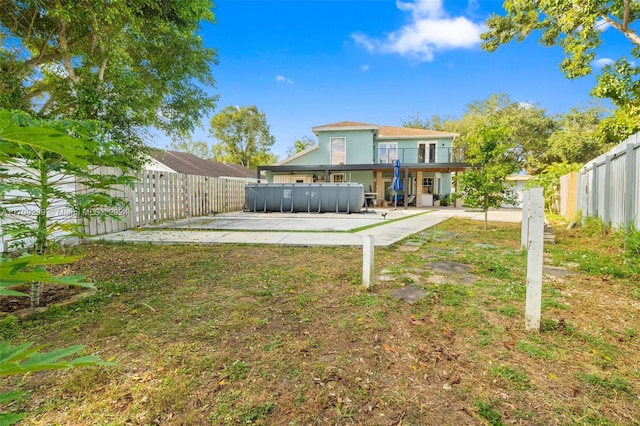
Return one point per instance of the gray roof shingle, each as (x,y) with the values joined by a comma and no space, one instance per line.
(183,162)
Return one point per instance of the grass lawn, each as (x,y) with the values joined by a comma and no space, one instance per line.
(239,334)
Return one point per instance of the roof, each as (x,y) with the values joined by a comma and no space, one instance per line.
(183,162)
(386,132)
(346,125)
(391,132)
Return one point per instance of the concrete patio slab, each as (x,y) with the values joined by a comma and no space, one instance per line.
(328,229)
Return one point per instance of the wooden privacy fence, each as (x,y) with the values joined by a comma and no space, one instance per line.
(607,187)
(159,196)
(568,189)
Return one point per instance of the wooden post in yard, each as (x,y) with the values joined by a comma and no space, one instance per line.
(524,230)
(534,259)
(367,261)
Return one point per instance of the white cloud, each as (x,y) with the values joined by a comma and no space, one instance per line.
(601,25)
(364,68)
(429,30)
(599,63)
(283,79)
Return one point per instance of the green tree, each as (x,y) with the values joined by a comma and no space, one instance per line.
(577,137)
(133,65)
(417,121)
(243,137)
(300,145)
(198,148)
(549,180)
(619,82)
(528,127)
(485,184)
(20,138)
(577,27)
(42,156)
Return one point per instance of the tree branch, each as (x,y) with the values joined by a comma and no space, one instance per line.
(625,22)
(102,68)
(64,49)
(41,56)
(39,59)
(631,35)
(36,92)
(46,105)
(33,20)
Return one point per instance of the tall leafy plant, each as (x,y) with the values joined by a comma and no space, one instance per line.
(485,185)
(42,162)
(24,358)
(56,148)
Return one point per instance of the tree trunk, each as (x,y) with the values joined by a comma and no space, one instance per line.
(41,233)
(486,211)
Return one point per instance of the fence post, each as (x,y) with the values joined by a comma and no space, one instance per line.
(524,229)
(533,304)
(367,261)
(594,191)
(606,215)
(630,187)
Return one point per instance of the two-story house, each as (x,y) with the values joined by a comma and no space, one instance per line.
(365,153)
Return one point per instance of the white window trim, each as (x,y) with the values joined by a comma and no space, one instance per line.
(388,146)
(344,160)
(427,147)
(341,175)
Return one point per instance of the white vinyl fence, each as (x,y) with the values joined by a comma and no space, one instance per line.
(607,187)
(157,196)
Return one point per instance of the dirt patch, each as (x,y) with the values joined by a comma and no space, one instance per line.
(50,295)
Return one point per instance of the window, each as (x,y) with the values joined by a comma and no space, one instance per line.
(427,185)
(387,152)
(338,150)
(338,177)
(426,152)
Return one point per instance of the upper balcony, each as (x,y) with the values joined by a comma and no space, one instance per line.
(422,155)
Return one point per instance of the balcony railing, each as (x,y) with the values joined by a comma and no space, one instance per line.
(418,155)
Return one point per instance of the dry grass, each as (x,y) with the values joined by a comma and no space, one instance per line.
(281,335)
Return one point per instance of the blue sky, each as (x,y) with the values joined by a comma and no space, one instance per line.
(311,62)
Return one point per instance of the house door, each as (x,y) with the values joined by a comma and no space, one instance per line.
(426,152)
(387,193)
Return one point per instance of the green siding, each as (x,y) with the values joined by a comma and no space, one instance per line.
(363,177)
(445,184)
(313,158)
(359,148)
(408,149)
(442,154)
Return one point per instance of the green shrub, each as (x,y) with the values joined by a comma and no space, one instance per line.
(632,244)
(594,226)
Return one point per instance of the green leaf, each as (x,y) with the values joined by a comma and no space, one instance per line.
(11,354)
(8,292)
(11,396)
(7,419)
(51,358)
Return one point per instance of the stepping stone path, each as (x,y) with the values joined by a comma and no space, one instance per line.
(485,246)
(409,294)
(451,273)
(556,271)
(445,273)
(449,267)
